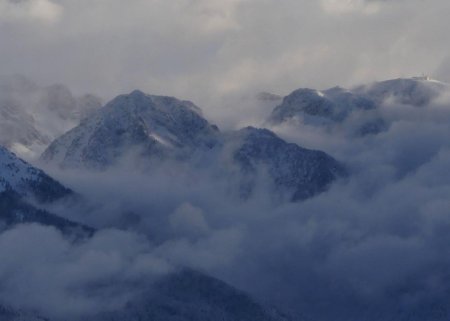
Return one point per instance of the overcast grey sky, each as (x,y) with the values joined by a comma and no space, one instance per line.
(204,49)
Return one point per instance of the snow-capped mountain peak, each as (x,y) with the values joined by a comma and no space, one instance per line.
(356,111)
(415,91)
(155,125)
(333,104)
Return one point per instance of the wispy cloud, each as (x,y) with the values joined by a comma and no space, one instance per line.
(29,11)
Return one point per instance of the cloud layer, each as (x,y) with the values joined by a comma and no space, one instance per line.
(42,271)
(201,50)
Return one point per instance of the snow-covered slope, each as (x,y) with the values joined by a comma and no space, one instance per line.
(32,116)
(27,181)
(355,111)
(16,210)
(21,183)
(153,126)
(330,108)
(416,91)
(298,172)
(18,127)
(334,104)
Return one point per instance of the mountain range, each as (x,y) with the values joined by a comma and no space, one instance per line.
(146,133)
(157,129)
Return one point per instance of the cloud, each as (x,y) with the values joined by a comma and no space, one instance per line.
(338,7)
(188,220)
(42,271)
(44,11)
(217,16)
(203,50)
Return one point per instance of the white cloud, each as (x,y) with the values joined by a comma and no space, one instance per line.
(200,50)
(30,10)
(350,6)
(216,15)
(188,220)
